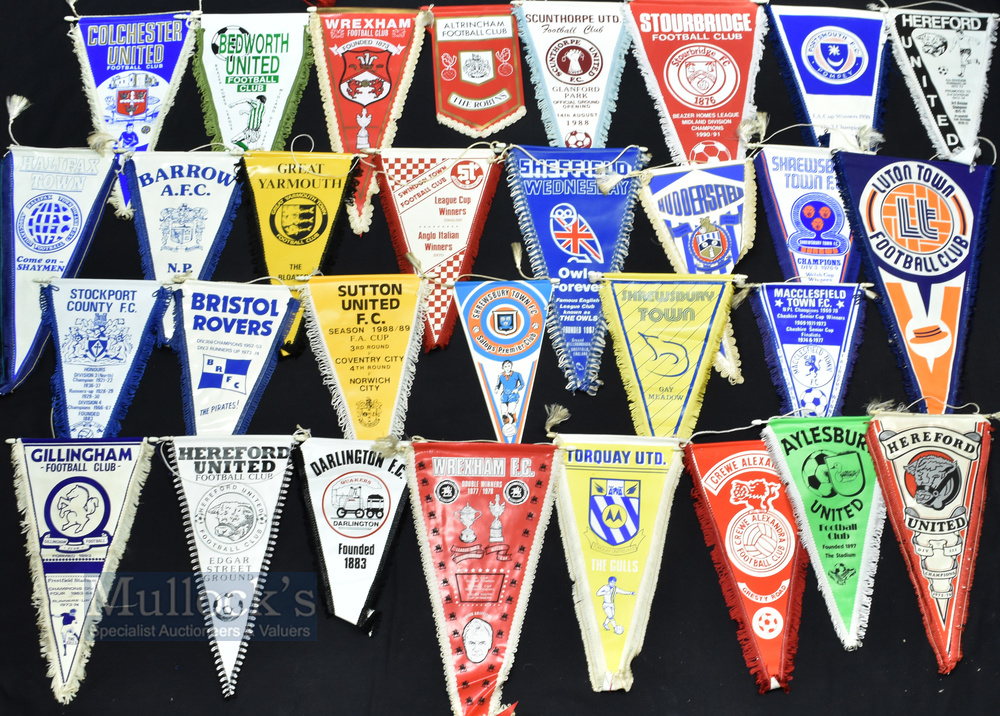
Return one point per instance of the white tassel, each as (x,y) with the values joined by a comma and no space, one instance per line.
(125,212)
(607,179)
(518,250)
(414,262)
(753,126)
(101,142)
(877,406)
(15,105)
(869,140)
(554,414)
(390,446)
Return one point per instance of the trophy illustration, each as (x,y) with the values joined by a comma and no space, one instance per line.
(467,515)
(496,529)
(364,119)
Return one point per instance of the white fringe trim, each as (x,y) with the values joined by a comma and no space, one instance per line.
(750,107)
(325,362)
(653,87)
(486,131)
(413,350)
(727,359)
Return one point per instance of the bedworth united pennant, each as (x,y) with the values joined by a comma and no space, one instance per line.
(614,502)
(571,228)
(504,323)
(749,527)
(77,499)
(700,62)
(838,505)
(365,60)
(435,202)
(480,511)
(922,225)
(52,203)
(932,471)
(231,491)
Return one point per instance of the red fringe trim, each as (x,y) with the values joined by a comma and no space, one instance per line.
(796,588)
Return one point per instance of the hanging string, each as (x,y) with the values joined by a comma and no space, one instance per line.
(312,146)
(237,151)
(435,279)
(15,105)
(753,424)
(72,7)
(885,5)
(867,138)
(160,445)
(518,254)
(873,407)
(554,414)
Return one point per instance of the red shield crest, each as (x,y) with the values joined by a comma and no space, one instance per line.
(132,101)
(366,77)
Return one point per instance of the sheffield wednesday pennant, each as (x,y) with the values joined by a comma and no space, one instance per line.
(932,471)
(480,511)
(77,499)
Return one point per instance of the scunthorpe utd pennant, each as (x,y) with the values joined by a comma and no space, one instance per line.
(570,229)
(77,499)
(932,471)
(480,511)
(435,202)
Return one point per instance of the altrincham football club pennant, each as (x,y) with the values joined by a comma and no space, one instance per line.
(436,202)
(838,505)
(571,228)
(576,53)
(749,527)
(932,471)
(52,203)
(77,499)
(700,63)
(922,225)
(504,323)
(365,60)
(614,502)
(231,491)
(480,511)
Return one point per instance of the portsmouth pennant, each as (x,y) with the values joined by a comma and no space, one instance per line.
(932,471)
(77,499)
(749,527)
(480,511)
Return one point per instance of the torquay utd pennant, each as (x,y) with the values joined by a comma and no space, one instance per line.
(77,499)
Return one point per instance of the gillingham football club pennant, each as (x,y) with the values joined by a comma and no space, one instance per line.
(922,225)
(932,471)
(365,60)
(231,491)
(435,202)
(52,203)
(749,527)
(838,505)
(571,228)
(77,499)
(480,511)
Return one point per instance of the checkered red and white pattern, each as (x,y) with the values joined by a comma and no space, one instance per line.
(403,170)
(441,297)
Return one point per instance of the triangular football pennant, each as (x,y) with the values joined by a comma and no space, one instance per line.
(435,202)
(570,229)
(77,499)
(923,226)
(365,59)
(838,505)
(504,324)
(614,502)
(227,337)
(231,491)
(749,527)
(576,53)
(52,203)
(932,471)
(702,88)
(480,510)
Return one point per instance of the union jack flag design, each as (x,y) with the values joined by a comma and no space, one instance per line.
(573,235)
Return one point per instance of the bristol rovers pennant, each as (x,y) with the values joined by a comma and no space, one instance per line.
(481,511)
(932,471)
(77,499)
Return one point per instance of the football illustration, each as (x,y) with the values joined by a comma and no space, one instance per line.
(813,402)
(709,151)
(579,140)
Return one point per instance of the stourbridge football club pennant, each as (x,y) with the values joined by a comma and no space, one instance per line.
(365,60)
(480,511)
(77,499)
(614,502)
(932,471)
(571,228)
(749,527)
(838,505)
(922,225)
(52,202)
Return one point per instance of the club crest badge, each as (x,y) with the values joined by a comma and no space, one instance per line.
(230,518)
(366,77)
(834,55)
(48,222)
(76,514)
(701,76)
(182,228)
(574,61)
(614,509)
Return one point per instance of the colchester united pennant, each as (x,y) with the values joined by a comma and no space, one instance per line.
(749,527)
(480,511)
(77,499)
(932,471)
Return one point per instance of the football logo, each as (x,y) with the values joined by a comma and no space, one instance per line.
(702,76)
(49,222)
(818,221)
(834,55)
(298,219)
(574,61)
(759,540)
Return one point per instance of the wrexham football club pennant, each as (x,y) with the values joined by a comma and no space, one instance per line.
(838,505)
(365,60)
(52,203)
(749,527)
(504,323)
(922,225)
(932,471)
(571,228)
(231,491)
(480,511)
(77,499)
(614,501)
(576,53)
(700,63)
